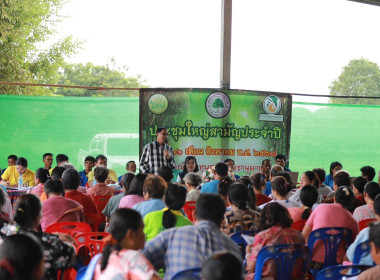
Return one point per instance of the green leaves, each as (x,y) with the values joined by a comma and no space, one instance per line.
(97,76)
(360,77)
(24,26)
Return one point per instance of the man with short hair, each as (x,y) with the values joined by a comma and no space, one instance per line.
(60,159)
(58,208)
(47,158)
(368,172)
(101,188)
(273,173)
(89,162)
(157,154)
(221,171)
(130,167)
(281,160)
(11,161)
(71,182)
(181,248)
(101,160)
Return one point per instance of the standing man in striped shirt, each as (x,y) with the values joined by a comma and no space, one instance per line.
(157,154)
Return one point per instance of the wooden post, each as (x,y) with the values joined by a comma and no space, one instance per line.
(225,49)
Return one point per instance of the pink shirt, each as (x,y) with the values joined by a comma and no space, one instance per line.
(130,200)
(101,189)
(37,190)
(364,212)
(127,264)
(55,206)
(331,215)
(296,213)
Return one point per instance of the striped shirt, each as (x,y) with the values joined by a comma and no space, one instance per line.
(153,158)
(185,247)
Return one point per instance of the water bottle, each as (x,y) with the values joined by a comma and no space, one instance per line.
(94,183)
(20,182)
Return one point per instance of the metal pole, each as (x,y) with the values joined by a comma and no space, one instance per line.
(225,49)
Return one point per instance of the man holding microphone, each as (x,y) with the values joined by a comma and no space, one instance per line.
(157,154)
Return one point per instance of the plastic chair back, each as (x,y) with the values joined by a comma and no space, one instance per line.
(331,238)
(340,271)
(101,202)
(285,257)
(93,220)
(189,208)
(188,274)
(90,244)
(361,251)
(237,237)
(72,228)
(365,223)
(298,225)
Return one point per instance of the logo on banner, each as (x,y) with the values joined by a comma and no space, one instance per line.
(218,104)
(272,105)
(158,103)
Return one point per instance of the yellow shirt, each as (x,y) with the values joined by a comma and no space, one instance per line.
(12,175)
(111,175)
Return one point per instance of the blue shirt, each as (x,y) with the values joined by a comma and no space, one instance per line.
(268,188)
(329,181)
(185,247)
(210,187)
(361,237)
(83,178)
(145,207)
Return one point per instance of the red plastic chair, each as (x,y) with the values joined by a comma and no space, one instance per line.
(299,225)
(93,220)
(189,209)
(365,223)
(72,228)
(89,244)
(101,202)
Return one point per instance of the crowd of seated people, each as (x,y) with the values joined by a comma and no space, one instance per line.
(148,227)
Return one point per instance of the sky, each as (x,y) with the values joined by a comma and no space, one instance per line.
(293,46)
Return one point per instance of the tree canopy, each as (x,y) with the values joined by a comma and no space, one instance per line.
(25,56)
(360,77)
(97,76)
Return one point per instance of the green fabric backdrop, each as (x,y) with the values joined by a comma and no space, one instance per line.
(321,133)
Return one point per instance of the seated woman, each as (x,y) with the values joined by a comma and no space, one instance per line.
(158,221)
(308,196)
(190,165)
(101,188)
(334,167)
(320,177)
(326,215)
(58,249)
(113,203)
(280,189)
(240,217)
(42,175)
(365,212)
(358,189)
(12,174)
(307,178)
(21,258)
(223,265)
(251,199)
(223,187)
(135,192)
(121,258)
(275,222)
(192,181)
(374,238)
(258,187)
